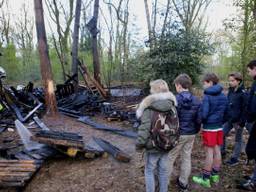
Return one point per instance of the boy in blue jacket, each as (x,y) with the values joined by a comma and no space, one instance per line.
(190,123)
(213,109)
(236,114)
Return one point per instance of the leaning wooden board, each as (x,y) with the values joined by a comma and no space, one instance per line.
(15,173)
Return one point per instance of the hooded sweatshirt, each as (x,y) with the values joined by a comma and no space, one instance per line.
(214,108)
(237,102)
(161,102)
(188,112)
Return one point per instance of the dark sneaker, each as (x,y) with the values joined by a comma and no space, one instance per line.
(248,186)
(247,177)
(182,187)
(223,154)
(232,162)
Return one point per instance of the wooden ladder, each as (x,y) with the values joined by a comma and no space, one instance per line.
(94,86)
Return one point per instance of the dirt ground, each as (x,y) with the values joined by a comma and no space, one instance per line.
(108,175)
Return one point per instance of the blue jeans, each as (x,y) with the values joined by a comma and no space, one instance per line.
(158,163)
(253,177)
(238,138)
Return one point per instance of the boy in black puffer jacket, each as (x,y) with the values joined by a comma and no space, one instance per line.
(250,184)
(236,114)
(190,123)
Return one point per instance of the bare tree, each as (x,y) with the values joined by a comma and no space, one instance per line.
(5,27)
(121,44)
(110,46)
(245,40)
(46,71)
(154,19)
(150,32)
(75,41)
(57,10)
(168,7)
(24,34)
(1,3)
(190,12)
(92,26)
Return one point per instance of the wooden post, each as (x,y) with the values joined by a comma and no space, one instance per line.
(46,70)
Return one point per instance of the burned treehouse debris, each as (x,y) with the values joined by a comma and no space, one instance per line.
(26,142)
(23,104)
(15,173)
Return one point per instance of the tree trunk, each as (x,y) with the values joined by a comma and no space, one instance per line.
(150,35)
(244,53)
(75,42)
(46,71)
(96,62)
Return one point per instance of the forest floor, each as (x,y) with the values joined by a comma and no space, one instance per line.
(105,174)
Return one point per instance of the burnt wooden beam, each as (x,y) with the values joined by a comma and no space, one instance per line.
(112,150)
(61,142)
(119,131)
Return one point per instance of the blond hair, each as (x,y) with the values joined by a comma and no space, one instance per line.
(158,86)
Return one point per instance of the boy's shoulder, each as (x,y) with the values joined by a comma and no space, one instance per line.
(194,98)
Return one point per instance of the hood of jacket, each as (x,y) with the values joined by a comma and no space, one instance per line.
(185,99)
(159,101)
(213,90)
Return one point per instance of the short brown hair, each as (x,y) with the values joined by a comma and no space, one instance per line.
(184,80)
(237,76)
(211,77)
(252,64)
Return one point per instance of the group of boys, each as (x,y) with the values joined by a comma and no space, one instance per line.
(216,114)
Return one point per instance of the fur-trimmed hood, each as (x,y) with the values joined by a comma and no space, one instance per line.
(147,101)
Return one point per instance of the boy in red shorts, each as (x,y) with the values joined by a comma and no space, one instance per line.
(214,106)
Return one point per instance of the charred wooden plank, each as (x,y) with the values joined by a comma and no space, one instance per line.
(66,135)
(15,161)
(18,169)
(113,150)
(54,141)
(12,184)
(40,123)
(21,166)
(125,133)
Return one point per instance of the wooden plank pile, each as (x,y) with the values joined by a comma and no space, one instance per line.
(71,144)
(57,138)
(15,173)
